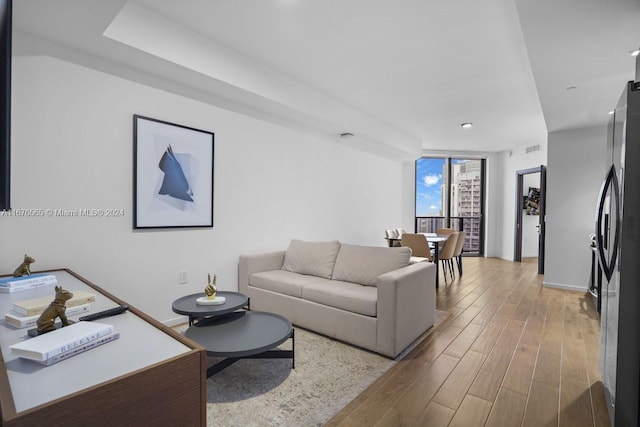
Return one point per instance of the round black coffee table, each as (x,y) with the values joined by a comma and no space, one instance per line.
(187,305)
(243,335)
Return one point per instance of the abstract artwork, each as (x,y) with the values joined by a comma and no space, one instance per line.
(173,175)
(532,201)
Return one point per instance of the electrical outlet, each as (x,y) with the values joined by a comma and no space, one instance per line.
(182,277)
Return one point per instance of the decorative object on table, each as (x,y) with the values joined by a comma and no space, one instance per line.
(173,175)
(47,321)
(24,269)
(210,292)
(14,284)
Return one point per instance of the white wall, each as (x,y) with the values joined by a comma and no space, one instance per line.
(530,222)
(72,149)
(576,168)
(509,162)
(408,197)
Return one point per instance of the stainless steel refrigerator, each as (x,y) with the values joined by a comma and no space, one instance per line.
(618,245)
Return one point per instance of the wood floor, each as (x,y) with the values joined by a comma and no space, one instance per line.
(507,352)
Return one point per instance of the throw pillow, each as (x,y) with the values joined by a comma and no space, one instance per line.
(312,258)
(363,264)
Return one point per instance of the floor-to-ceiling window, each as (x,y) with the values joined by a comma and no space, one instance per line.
(449,193)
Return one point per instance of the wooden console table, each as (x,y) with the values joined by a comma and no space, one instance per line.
(151,375)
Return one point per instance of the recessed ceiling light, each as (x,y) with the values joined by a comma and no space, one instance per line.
(610,112)
(467,125)
(635,52)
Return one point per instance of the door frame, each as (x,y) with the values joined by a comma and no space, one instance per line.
(517,245)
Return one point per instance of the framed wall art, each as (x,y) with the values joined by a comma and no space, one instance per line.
(173,175)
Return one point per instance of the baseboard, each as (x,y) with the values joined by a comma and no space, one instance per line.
(564,286)
(175,321)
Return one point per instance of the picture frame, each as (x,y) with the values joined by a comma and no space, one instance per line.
(173,168)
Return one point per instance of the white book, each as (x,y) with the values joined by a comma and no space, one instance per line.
(35,306)
(61,340)
(21,321)
(81,349)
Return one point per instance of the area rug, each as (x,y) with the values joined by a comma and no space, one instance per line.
(328,374)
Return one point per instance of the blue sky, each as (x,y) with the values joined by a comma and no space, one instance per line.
(429,186)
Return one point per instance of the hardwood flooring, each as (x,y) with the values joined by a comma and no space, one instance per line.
(506,352)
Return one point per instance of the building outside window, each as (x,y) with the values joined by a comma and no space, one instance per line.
(449,193)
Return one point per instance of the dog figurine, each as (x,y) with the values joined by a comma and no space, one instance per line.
(57,308)
(25,268)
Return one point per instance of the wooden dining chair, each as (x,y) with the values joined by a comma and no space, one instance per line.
(420,251)
(445,231)
(457,252)
(445,255)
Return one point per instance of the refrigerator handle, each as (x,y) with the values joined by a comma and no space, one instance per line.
(608,265)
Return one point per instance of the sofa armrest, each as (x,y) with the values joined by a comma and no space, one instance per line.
(250,264)
(406,306)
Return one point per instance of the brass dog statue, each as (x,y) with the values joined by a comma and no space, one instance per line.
(25,268)
(57,308)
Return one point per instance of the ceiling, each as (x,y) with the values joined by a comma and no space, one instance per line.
(401,76)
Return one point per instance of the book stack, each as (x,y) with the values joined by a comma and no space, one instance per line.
(14,284)
(22,321)
(66,342)
(25,313)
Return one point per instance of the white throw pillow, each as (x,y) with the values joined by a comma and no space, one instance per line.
(312,258)
(363,264)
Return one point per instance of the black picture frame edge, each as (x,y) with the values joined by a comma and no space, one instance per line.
(137,227)
(6,12)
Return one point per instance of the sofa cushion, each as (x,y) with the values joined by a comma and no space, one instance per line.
(313,258)
(282,282)
(363,264)
(343,295)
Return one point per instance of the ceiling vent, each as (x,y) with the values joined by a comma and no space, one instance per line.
(533,148)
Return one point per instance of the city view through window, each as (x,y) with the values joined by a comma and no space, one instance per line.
(449,194)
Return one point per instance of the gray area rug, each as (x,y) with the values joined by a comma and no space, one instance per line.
(328,374)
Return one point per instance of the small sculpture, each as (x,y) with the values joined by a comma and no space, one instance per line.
(25,268)
(211,290)
(57,308)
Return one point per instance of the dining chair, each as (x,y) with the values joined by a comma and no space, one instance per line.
(392,234)
(445,231)
(457,252)
(445,255)
(420,251)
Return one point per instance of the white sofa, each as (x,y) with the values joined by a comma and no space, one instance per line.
(367,296)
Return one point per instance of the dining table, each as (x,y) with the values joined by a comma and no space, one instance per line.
(435,241)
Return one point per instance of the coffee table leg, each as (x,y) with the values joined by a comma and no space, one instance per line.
(214,369)
(269,354)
